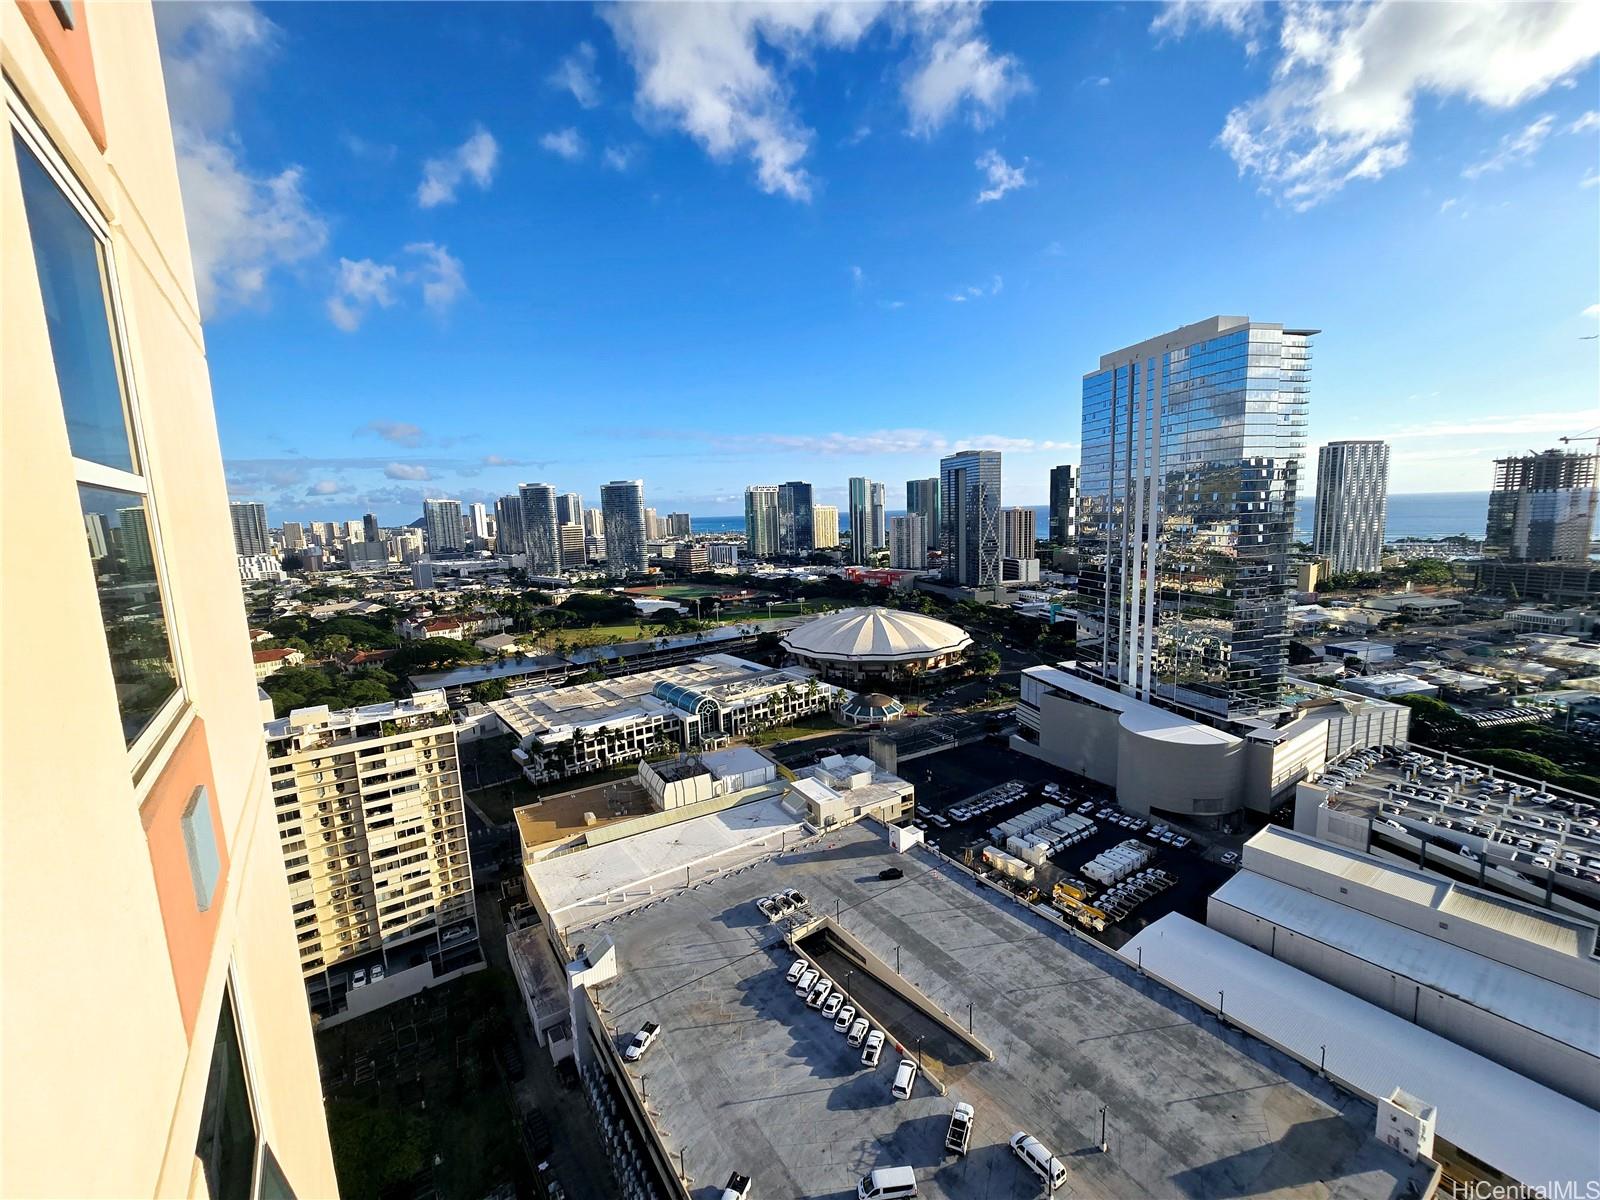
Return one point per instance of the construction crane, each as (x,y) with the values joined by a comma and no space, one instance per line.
(1582,437)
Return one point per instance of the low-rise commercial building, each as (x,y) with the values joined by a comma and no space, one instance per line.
(270,662)
(1516,983)
(696,778)
(842,789)
(372,827)
(571,730)
(1161,761)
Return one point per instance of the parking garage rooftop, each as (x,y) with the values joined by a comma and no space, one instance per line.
(745,1078)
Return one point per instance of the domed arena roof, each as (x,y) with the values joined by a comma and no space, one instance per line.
(875,635)
(860,709)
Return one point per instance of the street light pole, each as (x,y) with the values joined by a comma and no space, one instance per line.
(1103,1143)
(1221,997)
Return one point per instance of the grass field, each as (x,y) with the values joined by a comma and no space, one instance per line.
(678,591)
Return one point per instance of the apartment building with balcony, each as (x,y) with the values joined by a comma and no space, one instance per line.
(156,1036)
(372,827)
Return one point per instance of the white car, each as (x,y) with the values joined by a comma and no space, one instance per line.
(819,993)
(846,1017)
(738,1187)
(1039,1159)
(872,1051)
(830,1006)
(358,978)
(807,981)
(858,1032)
(905,1079)
(796,971)
(642,1041)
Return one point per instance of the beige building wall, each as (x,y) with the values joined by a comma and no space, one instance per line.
(113,975)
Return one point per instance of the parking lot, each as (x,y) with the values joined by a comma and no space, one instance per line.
(948,780)
(744,1077)
(1534,832)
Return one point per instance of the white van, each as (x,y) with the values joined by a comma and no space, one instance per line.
(905,1078)
(887,1183)
(1038,1159)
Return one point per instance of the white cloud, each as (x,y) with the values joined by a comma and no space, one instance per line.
(360,285)
(1447,205)
(1239,18)
(1592,311)
(878,442)
(1513,148)
(700,67)
(402,433)
(441,275)
(1591,177)
(891,304)
(325,487)
(1345,88)
(1589,120)
(568,143)
(243,223)
(618,158)
(396,470)
(717,72)
(473,161)
(954,66)
(857,276)
(978,291)
(1002,176)
(1539,422)
(575,74)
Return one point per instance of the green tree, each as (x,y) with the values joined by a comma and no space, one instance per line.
(489,689)
(374,1147)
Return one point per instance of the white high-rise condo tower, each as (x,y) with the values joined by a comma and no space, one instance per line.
(1352,498)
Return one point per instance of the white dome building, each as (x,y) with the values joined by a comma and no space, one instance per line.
(871,645)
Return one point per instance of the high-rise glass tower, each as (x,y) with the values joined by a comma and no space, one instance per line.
(508,525)
(441,522)
(622,509)
(908,542)
(1352,499)
(1019,532)
(1191,457)
(1542,508)
(569,509)
(922,498)
(860,516)
(796,533)
(880,519)
(370,529)
(969,504)
(1063,507)
(761,519)
(249,528)
(541,529)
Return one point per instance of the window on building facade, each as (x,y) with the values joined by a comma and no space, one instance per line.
(76,283)
(226,1146)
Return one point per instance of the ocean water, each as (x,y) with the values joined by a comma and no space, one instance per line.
(1415,515)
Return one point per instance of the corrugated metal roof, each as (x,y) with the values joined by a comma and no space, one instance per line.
(1551,1009)
(1512,918)
(1530,1132)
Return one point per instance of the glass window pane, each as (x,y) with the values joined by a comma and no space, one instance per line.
(227,1144)
(72,279)
(117,528)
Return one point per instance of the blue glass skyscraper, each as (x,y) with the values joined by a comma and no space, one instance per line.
(1192,444)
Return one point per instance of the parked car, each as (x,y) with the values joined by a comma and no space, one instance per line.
(796,971)
(794,897)
(1039,1159)
(858,1032)
(872,1050)
(959,1131)
(891,873)
(845,1018)
(905,1078)
(769,910)
(887,1183)
(831,1005)
(808,980)
(642,1041)
(819,993)
(358,978)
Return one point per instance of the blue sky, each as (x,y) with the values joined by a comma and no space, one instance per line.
(444,249)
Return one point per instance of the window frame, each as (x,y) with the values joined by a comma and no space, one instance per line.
(232,996)
(158,734)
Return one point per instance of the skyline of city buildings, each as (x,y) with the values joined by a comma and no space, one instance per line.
(441,525)
(761,519)
(922,498)
(1352,498)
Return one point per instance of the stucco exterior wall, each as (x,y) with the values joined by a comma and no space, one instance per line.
(102,1082)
